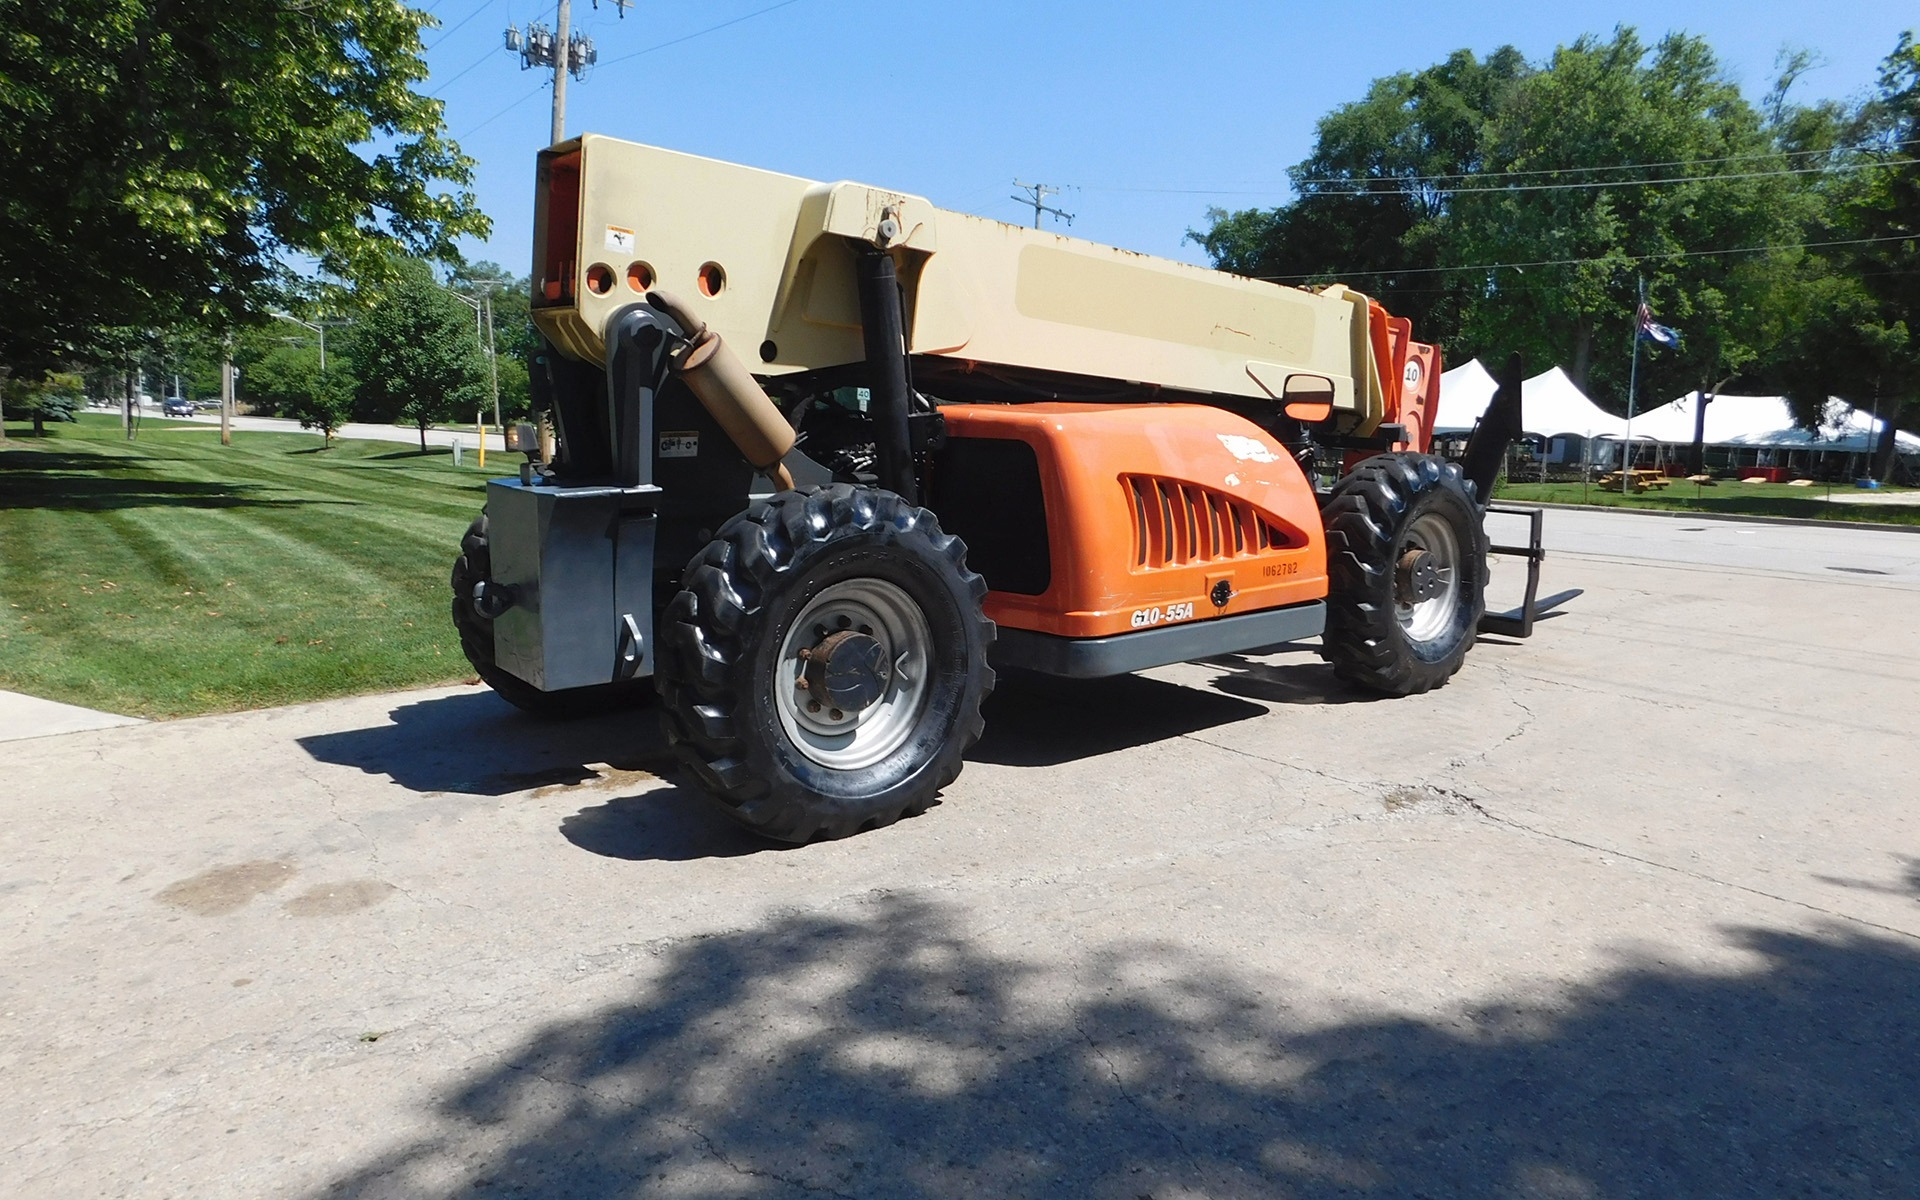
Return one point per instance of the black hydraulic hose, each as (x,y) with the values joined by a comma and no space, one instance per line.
(883,329)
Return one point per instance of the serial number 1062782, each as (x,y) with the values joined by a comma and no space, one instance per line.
(1143,617)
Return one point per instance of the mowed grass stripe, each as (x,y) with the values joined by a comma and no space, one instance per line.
(175,576)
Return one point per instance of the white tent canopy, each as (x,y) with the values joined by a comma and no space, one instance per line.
(1767,422)
(1551,405)
(1465,393)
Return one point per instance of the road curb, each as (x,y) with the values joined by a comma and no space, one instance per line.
(1736,518)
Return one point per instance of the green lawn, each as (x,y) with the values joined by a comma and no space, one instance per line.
(1742,499)
(171,575)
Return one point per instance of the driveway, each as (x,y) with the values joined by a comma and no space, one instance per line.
(1629,909)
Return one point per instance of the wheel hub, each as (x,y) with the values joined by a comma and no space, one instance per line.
(1418,578)
(847,671)
(853,673)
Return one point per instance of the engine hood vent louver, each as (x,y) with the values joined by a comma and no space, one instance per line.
(1181,524)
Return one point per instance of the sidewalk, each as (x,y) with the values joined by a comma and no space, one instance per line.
(31,717)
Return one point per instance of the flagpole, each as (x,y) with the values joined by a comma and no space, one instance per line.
(1633,383)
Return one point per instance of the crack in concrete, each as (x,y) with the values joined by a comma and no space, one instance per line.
(719,1156)
(1476,806)
(1133,1102)
(1826,720)
(1356,784)
(66,1127)
(333,806)
(373,848)
(1526,723)
(1480,809)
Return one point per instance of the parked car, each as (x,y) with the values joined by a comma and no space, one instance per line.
(177,406)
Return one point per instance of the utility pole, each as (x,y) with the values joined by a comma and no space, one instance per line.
(559,48)
(493,364)
(560,64)
(1036,197)
(483,333)
(226,394)
(319,327)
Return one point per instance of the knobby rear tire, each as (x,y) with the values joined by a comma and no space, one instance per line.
(721,639)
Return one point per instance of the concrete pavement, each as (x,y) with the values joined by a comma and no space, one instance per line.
(29,717)
(1626,910)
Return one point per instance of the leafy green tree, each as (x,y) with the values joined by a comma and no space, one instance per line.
(53,398)
(325,403)
(278,367)
(1600,118)
(1849,324)
(163,158)
(1374,197)
(1505,207)
(414,355)
(1888,214)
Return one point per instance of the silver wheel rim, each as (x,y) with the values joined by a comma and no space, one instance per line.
(1428,619)
(861,739)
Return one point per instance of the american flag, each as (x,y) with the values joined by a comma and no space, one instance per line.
(1647,330)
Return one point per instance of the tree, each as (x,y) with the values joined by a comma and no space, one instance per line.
(162,158)
(1601,120)
(1374,196)
(1848,324)
(414,355)
(53,398)
(325,404)
(1509,207)
(279,365)
(1888,216)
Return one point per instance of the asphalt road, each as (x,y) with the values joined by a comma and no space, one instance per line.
(356,429)
(1629,909)
(1886,555)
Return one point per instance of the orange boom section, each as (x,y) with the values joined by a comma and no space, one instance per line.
(1155,515)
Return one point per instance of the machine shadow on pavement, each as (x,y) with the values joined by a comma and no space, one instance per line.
(475,744)
(1043,721)
(670,824)
(881,1051)
(1302,681)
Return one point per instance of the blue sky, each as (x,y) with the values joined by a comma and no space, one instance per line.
(1145,114)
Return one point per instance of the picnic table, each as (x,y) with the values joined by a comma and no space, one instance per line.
(1638,481)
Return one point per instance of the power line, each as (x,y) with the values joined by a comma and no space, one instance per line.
(1565,262)
(1496,188)
(1647,166)
(485,56)
(635,54)
(503,112)
(1355,181)
(449,30)
(758,12)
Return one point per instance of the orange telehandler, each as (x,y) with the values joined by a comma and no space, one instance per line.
(826,456)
